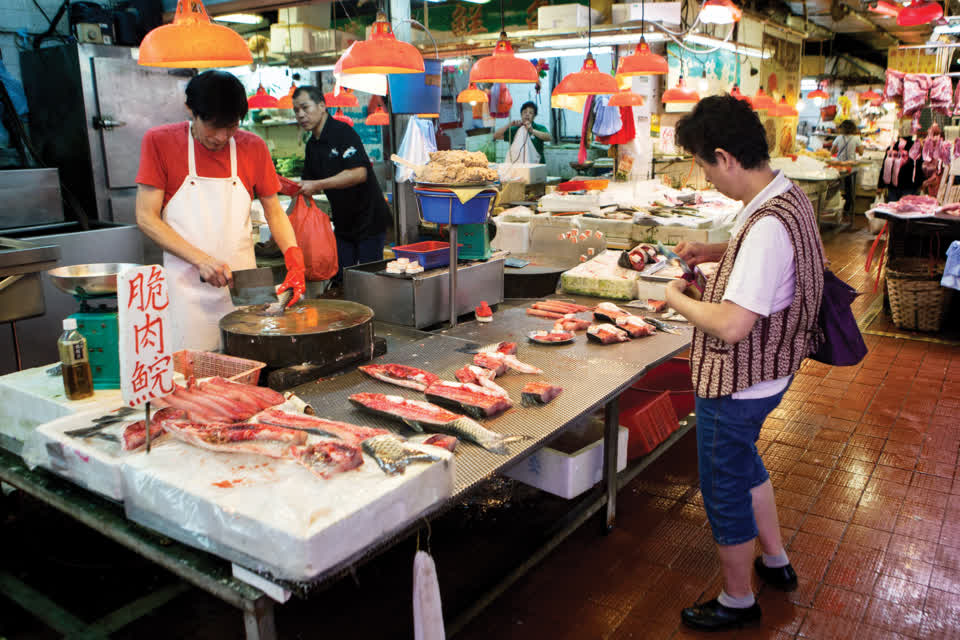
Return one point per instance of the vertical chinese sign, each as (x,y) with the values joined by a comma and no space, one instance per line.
(146,358)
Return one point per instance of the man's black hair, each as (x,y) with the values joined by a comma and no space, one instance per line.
(724,122)
(532,106)
(217,97)
(315,93)
(847,128)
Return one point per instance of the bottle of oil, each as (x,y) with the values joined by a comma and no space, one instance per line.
(75,362)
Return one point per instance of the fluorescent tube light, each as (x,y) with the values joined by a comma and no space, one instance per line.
(563,53)
(944,29)
(322,67)
(707,41)
(477,1)
(454,61)
(240,18)
(626,38)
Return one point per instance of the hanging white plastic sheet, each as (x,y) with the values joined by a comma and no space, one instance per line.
(419,141)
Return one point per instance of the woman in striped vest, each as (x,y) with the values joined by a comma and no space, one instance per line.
(755,324)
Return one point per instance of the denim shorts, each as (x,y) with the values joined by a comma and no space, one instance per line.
(729,464)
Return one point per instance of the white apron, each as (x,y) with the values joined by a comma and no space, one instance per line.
(522,150)
(212,214)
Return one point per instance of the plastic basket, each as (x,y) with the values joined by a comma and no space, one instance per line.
(673,376)
(430,254)
(204,364)
(443,206)
(650,418)
(917,301)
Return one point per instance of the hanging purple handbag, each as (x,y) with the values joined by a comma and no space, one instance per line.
(843,344)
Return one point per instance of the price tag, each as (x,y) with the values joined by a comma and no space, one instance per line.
(146,356)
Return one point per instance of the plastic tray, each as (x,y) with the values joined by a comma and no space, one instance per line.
(673,376)
(650,418)
(204,364)
(443,207)
(430,254)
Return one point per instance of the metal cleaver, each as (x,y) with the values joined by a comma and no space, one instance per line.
(253,286)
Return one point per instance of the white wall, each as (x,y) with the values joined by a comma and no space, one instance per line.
(17,15)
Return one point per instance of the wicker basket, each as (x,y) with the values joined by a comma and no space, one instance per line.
(917,301)
(204,364)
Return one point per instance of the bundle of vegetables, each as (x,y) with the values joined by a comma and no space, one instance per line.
(289,166)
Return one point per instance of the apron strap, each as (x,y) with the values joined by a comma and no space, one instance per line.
(191,155)
(233,158)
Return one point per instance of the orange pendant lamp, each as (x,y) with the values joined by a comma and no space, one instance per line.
(262,100)
(818,93)
(286,102)
(345,98)
(642,62)
(680,94)
(784,109)
(626,98)
(720,12)
(339,115)
(378,118)
(473,95)
(382,53)
(589,81)
(869,94)
(191,41)
(503,66)
(735,92)
(761,101)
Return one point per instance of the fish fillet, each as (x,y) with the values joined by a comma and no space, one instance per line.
(539,393)
(474,399)
(349,433)
(400,375)
(327,458)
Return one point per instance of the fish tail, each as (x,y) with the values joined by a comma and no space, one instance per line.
(413,424)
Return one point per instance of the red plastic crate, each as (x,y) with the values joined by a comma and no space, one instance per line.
(673,376)
(650,418)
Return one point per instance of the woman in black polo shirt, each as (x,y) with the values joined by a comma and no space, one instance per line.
(336,163)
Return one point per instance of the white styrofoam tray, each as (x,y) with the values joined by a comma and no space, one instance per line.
(274,515)
(568,474)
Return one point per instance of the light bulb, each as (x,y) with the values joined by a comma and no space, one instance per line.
(818,101)
(473,104)
(703,85)
(800,105)
(889,106)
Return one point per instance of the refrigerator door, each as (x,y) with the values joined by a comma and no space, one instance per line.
(130,100)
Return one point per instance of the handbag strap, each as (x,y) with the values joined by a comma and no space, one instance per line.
(883,232)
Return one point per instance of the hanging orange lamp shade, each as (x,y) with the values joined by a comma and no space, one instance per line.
(735,92)
(345,98)
(919,12)
(720,12)
(680,94)
(191,41)
(761,101)
(869,94)
(428,115)
(589,81)
(642,62)
(472,95)
(339,115)
(784,109)
(626,98)
(286,102)
(262,100)
(378,118)
(818,93)
(382,53)
(503,66)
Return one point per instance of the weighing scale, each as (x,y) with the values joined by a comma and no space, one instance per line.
(94,287)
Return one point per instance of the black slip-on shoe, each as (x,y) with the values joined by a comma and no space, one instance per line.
(713,616)
(783,578)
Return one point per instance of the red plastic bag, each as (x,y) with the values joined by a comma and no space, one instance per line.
(315,238)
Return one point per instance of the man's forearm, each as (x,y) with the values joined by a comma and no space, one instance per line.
(279,223)
(343,180)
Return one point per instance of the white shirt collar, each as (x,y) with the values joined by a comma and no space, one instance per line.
(778,186)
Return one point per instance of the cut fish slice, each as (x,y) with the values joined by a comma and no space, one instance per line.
(521,367)
(608,312)
(393,455)
(539,393)
(483,377)
(443,441)
(327,458)
(266,440)
(135,435)
(349,433)
(509,348)
(607,334)
(400,375)
(493,361)
(635,326)
(473,399)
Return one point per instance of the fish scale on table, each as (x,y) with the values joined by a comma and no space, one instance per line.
(393,455)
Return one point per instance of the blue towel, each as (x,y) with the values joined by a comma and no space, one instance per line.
(951,272)
(607,120)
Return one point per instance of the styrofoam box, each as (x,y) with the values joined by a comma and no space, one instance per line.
(315,15)
(654,11)
(305,38)
(564,16)
(568,474)
(676,235)
(525,173)
(512,236)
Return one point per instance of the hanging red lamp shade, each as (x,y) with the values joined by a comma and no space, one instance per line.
(735,92)
(428,115)
(286,102)
(869,94)
(338,115)
(784,110)
(503,66)
(642,62)
(378,118)
(589,81)
(191,41)
(626,98)
(680,94)
(381,53)
(889,9)
(345,98)
(919,12)
(472,95)
(762,101)
(262,100)
(720,12)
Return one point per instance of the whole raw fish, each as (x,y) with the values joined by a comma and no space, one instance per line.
(393,455)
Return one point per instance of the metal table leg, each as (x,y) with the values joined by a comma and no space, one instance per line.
(453,275)
(258,620)
(611,442)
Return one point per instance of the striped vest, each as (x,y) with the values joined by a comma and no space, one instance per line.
(777,344)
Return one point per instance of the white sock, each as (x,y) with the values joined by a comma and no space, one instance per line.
(777,561)
(736,603)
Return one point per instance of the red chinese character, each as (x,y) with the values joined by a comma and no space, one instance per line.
(157,371)
(149,296)
(149,335)
(139,379)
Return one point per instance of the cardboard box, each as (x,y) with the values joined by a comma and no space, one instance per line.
(565,16)
(316,15)
(568,474)
(668,12)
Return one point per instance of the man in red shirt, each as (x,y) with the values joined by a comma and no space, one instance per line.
(194,188)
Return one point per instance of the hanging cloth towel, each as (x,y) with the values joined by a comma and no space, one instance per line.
(607,120)
(587,109)
(951,272)
(626,133)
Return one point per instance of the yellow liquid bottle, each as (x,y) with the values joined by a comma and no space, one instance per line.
(74,362)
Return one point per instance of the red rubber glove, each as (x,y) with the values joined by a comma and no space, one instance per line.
(296,275)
